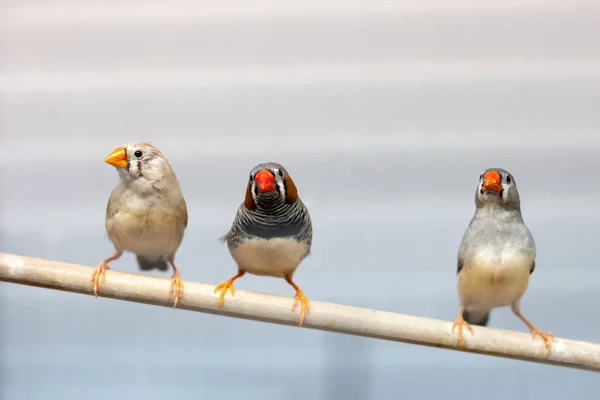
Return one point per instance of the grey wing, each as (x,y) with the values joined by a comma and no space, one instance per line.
(462,251)
(463,248)
(532,268)
(529,246)
(306,233)
(232,236)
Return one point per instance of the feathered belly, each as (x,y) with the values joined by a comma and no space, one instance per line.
(487,281)
(273,257)
(150,235)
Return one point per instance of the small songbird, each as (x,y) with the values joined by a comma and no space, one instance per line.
(271,232)
(496,255)
(146,213)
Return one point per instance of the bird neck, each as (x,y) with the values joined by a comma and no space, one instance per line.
(145,188)
(271,203)
(498,210)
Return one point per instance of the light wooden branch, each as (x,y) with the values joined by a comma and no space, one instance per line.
(322,316)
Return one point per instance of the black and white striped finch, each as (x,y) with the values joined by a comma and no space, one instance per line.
(272,231)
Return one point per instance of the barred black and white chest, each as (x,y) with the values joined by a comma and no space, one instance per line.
(272,220)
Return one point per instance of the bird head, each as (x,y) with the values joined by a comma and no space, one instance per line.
(269,184)
(497,186)
(140,164)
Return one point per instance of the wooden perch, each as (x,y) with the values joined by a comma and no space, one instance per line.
(323,316)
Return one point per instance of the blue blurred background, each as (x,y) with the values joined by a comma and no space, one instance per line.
(384,112)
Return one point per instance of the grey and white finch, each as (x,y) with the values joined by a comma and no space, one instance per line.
(272,232)
(146,213)
(496,256)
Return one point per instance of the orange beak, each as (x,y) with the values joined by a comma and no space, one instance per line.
(491,181)
(117,158)
(265,181)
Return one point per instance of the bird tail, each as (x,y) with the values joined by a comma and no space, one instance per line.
(480,318)
(150,263)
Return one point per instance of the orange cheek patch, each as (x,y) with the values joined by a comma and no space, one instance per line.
(291,191)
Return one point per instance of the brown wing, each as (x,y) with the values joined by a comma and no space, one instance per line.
(112,207)
(182,208)
(459,266)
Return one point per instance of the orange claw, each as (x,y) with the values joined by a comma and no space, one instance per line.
(99,274)
(100,271)
(176,282)
(176,287)
(228,284)
(304,304)
(547,337)
(459,323)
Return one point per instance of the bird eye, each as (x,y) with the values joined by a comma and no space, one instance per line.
(138,153)
(280,172)
(508,179)
(481,177)
(251,177)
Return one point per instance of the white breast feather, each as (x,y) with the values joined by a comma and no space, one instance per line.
(490,279)
(135,229)
(276,257)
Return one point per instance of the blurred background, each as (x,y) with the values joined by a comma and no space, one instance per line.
(384,112)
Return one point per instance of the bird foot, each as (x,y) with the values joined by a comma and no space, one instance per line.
(304,305)
(228,284)
(98,275)
(176,287)
(547,337)
(459,323)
